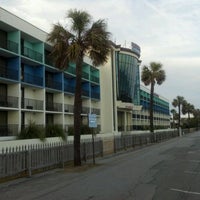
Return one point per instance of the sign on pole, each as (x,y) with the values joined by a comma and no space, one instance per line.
(92,118)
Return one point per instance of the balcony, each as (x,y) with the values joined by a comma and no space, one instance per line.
(85,75)
(32,104)
(49,59)
(8,130)
(85,110)
(53,84)
(11,46)
(69,88)
(56,107)
(32,54)
(71,70)
(8,73)
(32,79)
(69,108)
(95,95)
(95,79)
(121,128)
(9,101)
(85,93)
(96,111)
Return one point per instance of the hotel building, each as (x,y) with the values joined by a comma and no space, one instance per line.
(161,111)
(32,89)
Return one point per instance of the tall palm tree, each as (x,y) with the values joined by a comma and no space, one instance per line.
(173,111)
(83,37)
(196,114)
(178,102)
(187,109)
(151,75)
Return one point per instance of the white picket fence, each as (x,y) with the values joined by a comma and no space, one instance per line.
(24,160)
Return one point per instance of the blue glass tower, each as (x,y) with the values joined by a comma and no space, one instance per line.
(128,75)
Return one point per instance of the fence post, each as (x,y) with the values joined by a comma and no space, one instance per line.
(28,158)
(124,141)
(93,149)
(146,139)
(62,150)
(140,138)
(84,152)
(101,143)
(115,144)
(133,141)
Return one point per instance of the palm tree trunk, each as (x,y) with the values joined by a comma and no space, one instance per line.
(179,116)
(151,108)
(189,121)
(77,113)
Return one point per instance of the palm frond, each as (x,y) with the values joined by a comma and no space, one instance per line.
(96,41)
(154,66)
(80,20)
(146,75)
(74,52)
(160,77)
(60,39)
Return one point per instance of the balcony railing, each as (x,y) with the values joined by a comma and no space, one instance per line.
(9,101)
(49,60)
(95,79)
(121,128)
(69,88)
(8,73)
(54,107)
(85,75)
(85,93)
(53,84)
(96,111)
(11,46)
(32,79)
(71,70)
(95,95)
(32,104)
(32,54)
(85,110)
(69,108)
(8,130)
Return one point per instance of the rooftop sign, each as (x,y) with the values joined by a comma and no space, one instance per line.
(135,48)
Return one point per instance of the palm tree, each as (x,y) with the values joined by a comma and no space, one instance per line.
(196,114)
(178,102)
(173,111)
(151,75)
(187,109)
(83,37)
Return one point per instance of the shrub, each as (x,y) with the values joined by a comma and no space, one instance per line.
(55,131)
(32,131)
(70,130)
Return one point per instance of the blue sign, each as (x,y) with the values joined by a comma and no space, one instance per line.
(92,119)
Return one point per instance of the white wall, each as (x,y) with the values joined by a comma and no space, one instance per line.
(106,97)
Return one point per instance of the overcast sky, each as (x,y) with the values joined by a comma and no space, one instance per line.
(168,31)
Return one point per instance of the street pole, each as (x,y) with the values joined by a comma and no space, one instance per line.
(93,147)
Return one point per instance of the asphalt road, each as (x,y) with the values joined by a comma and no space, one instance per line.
(166,171)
